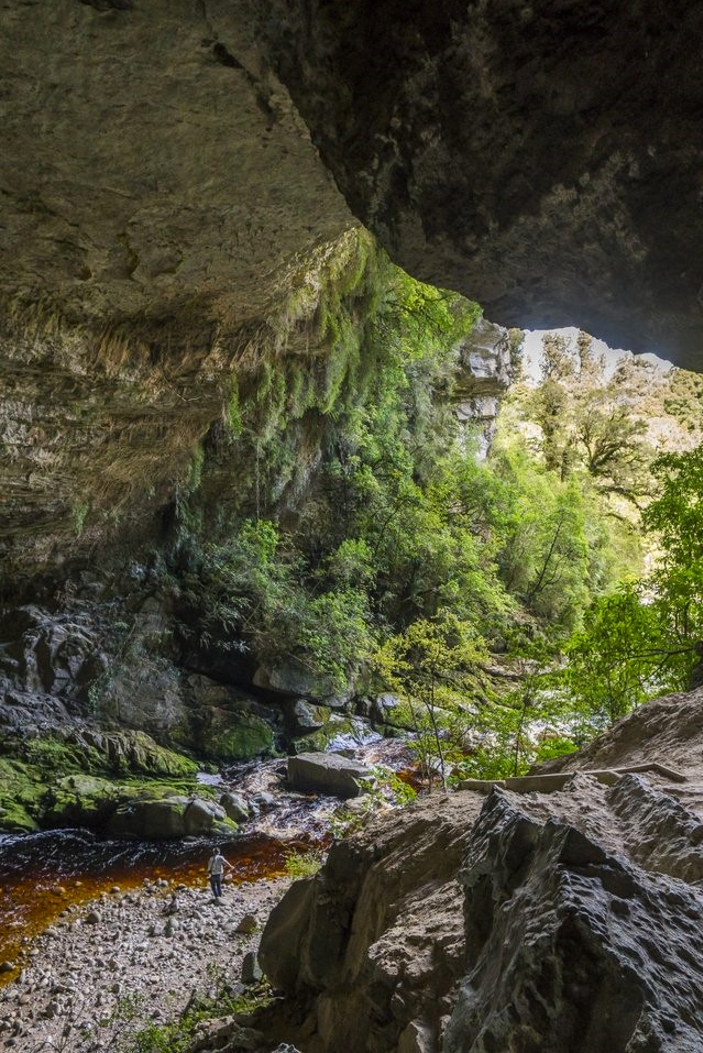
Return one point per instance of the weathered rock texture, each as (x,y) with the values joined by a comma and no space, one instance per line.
(326,773)
(668,730)
(543,157)
(563,921)
(486,371)
(157,188)
(160,187)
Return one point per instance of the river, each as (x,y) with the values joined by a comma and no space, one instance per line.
(44,873)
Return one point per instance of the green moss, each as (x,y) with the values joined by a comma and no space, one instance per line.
(135,751)
(52,781)
(21,792)
(79,513)
(316,742)
(83,800)
(240,736)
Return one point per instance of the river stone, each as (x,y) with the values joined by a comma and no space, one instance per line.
(327,773)
(247,925)
(309,717)
(251,969)
(235,806)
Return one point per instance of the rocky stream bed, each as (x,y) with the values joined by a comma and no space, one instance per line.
(112,965)
(100,936)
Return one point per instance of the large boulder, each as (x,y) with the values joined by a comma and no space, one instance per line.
(572,954)
(233,736)
(236,807)
(227,724)
(561,921)
(168,818)
(327,773)
(305,716)
(293,680)
(80,800)
(339,733)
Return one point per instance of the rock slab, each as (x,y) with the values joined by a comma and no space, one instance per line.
(327,773)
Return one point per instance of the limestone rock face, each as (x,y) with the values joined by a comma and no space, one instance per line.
(374,941)
(666,730)
(527,922)
(570,947)
(542,157)
(158,186)
(151,168)
(485,374)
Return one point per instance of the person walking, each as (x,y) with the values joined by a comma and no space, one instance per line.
(216,868)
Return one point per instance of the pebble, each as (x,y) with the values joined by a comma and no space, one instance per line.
(121,948)
(248,924)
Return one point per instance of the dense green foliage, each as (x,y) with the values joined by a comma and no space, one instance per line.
(647,638)
(585,419)
(430,665)
(360,530)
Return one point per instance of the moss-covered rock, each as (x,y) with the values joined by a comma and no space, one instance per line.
(81,800)
(305,716)
(336,730)
(81,777)
(168,818)
(228,735)
(21,791)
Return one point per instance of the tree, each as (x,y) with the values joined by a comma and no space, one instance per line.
(589,421)
(432,667)
(647,638)
(616,661)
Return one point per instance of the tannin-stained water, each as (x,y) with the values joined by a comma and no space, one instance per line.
(44,873)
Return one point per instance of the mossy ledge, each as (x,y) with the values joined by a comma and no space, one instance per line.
(84,778)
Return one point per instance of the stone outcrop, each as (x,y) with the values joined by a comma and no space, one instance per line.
(532,921)
(158,188)
(170,817)
(326,773)
(543,157)
(570,947)
(162,193)
(485,374)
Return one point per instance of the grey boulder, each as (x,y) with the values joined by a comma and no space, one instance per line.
(236,806)
(327,773)
(251,970)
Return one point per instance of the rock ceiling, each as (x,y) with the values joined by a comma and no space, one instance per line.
(164,165)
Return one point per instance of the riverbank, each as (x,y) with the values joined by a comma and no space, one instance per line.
(43,874)
(114,963)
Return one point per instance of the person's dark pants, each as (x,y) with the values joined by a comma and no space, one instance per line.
(216,885)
